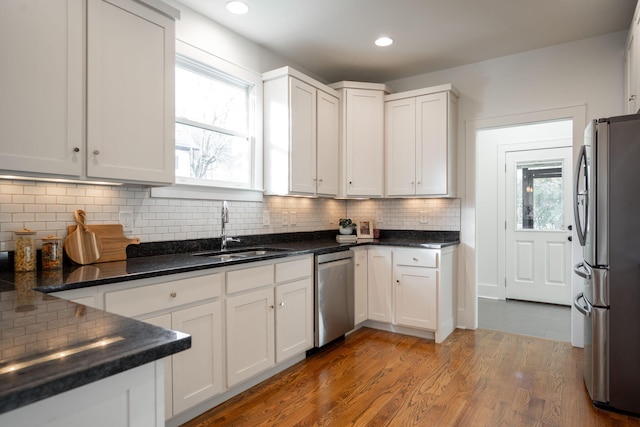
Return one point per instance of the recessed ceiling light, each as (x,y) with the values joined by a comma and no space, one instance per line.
(237,7)
(384,41)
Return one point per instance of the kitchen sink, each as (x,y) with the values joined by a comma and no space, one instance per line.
(240,253)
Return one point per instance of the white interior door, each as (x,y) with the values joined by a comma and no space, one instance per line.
(538,225)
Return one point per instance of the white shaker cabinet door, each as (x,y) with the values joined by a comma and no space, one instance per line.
(327,143)
(41,106)
(302,160)
(432,145)
(380,305)
(401,162)
(250,334)
(294,318)
(416,297)
(197,372)
(364,134)
(130,80)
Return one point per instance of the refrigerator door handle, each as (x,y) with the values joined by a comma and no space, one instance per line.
(584,309)
(581,229)
(582,270)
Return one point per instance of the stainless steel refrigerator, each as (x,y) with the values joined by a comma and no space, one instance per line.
(607,215)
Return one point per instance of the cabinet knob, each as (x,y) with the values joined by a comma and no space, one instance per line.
(76,149)
(350,182)
(632,97)
(398,281)
(320,180)
(272,307)
(416,259)
(281,304)
(96,152)
(173,294)
(419,182)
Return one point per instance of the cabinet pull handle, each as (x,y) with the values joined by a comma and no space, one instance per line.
(76,149)
(173,294)
(96,152)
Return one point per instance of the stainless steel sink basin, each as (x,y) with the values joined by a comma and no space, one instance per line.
(239,253)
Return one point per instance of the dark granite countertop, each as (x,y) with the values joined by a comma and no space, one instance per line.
(50,345)
(34,325)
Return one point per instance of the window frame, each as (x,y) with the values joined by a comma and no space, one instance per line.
(194,188)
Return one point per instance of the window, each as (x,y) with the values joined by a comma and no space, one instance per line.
(214,126)
(539,196)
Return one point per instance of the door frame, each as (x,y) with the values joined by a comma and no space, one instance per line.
(502,200)
(468,264)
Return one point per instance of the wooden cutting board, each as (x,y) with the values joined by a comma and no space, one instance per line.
(114,244)
(82,245)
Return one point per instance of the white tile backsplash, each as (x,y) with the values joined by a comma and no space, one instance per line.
(48,208)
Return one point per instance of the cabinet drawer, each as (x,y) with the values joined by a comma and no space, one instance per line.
(291,270)
(422,258)
(249,278)
(147,299)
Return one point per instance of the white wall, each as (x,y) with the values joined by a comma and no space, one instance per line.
(586,72)
(203,33)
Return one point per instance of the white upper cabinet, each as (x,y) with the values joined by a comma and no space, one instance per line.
(300,134)
(130,84)
(121,127)
(41,105)
(421,142)
(632,66)
(362,139)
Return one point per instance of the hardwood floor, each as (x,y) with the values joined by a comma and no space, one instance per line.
(376,378)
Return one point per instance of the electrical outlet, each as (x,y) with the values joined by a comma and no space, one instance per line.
(293,218)
(424,217)
(266,219)
(379,217)
(126,219)
(285,219)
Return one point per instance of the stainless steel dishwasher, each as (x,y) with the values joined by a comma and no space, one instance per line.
(334,296)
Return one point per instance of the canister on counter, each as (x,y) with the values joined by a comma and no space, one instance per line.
(25,254)
(51,253)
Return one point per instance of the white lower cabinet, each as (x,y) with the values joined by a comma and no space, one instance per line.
(379,295)
(127,399)
(250,335)
(193,375)
(415,291)
(294,318)
(191,305)
(412,289)
(271,324)
(360,285)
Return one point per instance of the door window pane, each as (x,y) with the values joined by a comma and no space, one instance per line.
(539,196)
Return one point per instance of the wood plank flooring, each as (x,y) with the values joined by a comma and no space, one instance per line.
(376,378)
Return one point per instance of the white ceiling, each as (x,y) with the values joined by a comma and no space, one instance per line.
(334,38)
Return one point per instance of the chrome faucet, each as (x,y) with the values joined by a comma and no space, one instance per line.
(223,235)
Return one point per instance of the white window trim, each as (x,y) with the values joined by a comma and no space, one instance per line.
(184,188)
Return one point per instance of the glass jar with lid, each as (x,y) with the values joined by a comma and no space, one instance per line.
(25,253)
(51,253)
